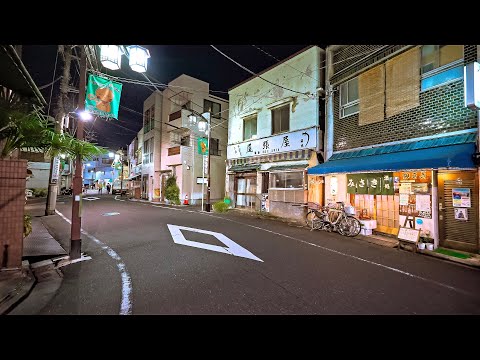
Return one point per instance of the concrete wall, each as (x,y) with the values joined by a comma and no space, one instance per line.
(41,174)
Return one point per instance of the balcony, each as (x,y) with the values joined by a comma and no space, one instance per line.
(179,119)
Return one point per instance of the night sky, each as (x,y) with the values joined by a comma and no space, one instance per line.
(166,63)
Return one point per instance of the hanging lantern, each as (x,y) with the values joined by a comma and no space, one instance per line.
(192,119)
(138,57)
(202,125)
(110,56)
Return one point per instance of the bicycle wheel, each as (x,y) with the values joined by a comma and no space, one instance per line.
(353,226)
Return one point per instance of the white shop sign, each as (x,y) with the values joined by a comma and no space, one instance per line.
(295,140)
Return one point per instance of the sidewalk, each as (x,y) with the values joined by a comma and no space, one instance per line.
(17,284)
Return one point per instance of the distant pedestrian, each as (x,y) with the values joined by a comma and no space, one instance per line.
(100,185)
(108,188)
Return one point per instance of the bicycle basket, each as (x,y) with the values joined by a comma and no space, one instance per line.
(349,210)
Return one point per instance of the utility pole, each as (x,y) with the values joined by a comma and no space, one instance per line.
(207,204)
(75,239)
(60,113)
(121,177)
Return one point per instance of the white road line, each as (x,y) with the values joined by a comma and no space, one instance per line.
(342,253)
(126,304)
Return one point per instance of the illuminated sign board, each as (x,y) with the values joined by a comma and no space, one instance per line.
(472,85)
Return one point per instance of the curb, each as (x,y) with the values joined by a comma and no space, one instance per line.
(468,262)
(20,291)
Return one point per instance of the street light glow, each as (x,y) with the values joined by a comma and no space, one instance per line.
(85,115)
(138,58)
(110,56)
(202,125)
(111,154)
(192,119)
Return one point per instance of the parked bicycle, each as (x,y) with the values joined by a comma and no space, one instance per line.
(334,217)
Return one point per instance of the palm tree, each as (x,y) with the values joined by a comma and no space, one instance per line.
(24,128)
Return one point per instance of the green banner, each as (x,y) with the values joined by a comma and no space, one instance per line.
(202,146)
(373,184)
(103,97)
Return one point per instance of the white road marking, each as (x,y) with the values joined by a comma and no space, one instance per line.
(232,247)
(91,198)
(337,252)
(126,304)
(110,214)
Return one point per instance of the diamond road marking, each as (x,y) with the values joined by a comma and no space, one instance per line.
(232,247)
(90,198)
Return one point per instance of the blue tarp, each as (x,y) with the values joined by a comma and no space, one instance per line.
(443,157)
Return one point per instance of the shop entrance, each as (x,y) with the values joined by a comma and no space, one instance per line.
(458,210)
(145,187)
(246,190)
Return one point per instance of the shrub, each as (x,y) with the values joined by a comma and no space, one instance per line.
(27,225)
(39,192)
(220,207)
(172,191)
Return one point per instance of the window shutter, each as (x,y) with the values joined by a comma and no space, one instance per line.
(403,82)
(371,94)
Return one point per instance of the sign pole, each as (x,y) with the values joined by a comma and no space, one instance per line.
(203,177)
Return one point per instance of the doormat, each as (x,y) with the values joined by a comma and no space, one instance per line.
(452,253)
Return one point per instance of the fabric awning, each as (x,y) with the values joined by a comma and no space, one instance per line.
(457,156)
(244,168)
(298,166)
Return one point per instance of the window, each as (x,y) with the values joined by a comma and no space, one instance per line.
(147,151)
(281,119)
(286,180)
(185,140)
(146,121)
(152,117)
(212,107)
(214,145)
(250,128)
(349,98)
(441,64)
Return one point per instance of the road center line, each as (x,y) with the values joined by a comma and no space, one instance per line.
(126,304)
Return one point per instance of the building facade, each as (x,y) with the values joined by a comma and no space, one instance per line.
(399,140)
(170,142)
(100,170)
(275,133)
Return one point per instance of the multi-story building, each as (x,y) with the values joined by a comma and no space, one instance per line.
(399,140)
(100,170)
(135,166)
(275,133)
(170,140)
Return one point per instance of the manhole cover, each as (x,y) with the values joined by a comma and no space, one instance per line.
(111,214)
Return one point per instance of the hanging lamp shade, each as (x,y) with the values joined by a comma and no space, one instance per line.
(202,125)
(110,56)
(138,58)
(192,119)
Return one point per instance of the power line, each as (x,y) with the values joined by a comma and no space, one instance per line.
(251,72)
(53,77)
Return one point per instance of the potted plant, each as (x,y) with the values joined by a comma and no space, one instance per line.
(428,243)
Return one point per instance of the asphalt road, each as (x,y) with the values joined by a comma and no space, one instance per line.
(138,268)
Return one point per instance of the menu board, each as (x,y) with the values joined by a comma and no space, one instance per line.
(408,234)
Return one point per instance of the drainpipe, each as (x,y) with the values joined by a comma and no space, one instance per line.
(328,143)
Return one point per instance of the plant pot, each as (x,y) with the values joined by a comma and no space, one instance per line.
(421,246)
(430,246)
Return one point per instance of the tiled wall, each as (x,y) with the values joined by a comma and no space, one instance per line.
(12,205)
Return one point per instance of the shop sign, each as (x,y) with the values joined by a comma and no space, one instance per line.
(295,140)
(415,176)
(373,184)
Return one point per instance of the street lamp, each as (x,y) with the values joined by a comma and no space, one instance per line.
(204,126)
(110,57)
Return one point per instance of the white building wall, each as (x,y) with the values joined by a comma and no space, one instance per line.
(182,89)
(41,173)
(301,73)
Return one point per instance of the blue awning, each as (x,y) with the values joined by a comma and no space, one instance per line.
(457,156)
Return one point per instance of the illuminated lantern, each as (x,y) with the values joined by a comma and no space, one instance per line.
(110,56)
(138,58)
